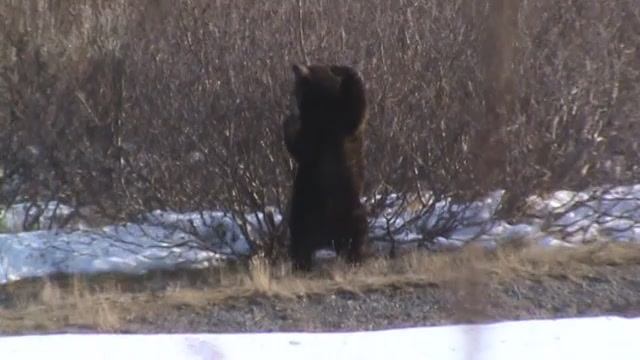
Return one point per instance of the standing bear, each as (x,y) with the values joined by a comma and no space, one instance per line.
(325,138)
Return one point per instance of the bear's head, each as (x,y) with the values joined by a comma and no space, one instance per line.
(330,98)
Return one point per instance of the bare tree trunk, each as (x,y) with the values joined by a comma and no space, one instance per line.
(490,148)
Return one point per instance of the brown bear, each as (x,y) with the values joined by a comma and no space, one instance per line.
(325,138)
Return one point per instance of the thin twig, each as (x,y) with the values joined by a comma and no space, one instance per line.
(303,50)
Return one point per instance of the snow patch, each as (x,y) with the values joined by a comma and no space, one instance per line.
(127,248)
(45,215)
(167,240)
(584,339)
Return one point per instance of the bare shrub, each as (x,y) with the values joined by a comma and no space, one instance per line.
(125,107)
(572,97)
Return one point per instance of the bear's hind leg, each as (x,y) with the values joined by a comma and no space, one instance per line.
(301,252)
(357,239)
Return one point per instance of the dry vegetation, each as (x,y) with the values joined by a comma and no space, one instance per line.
(122,107)
(109,302)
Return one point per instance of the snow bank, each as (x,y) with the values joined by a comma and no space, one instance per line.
(584,339)
(127,248)
(561,218)
(165,240)
(216,230)
(587,216)
(46,215)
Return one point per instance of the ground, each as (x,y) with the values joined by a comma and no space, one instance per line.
(608,291)
(412,291)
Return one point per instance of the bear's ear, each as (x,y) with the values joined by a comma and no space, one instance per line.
(351,83)
(301,71)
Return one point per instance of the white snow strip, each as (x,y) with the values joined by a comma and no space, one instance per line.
(584,339)
(38,215)
(127,248)
(167,240)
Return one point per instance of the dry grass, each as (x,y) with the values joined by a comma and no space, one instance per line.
(55,306)
(107,302)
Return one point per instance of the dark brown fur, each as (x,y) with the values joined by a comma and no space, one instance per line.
(326,140)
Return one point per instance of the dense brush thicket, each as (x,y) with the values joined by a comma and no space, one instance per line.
(122,107)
